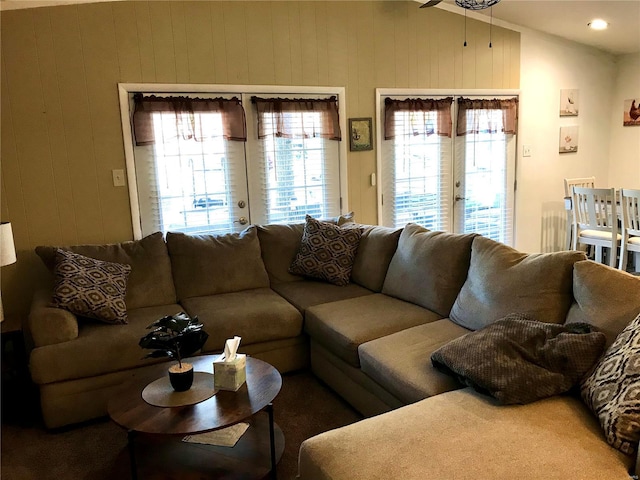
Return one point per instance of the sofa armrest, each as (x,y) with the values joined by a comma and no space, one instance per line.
(48,325)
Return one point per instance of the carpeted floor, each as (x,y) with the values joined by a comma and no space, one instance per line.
(98,450)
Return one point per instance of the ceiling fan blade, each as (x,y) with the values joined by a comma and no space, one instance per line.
(430,3)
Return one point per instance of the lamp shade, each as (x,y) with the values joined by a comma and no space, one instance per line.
(7,248)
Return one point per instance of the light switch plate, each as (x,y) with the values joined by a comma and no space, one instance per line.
(118,177)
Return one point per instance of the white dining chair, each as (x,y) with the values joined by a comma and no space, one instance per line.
(569,183)
(595,221)
(630,206)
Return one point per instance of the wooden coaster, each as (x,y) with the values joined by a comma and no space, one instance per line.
(160,393)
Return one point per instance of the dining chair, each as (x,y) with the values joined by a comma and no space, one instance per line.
(630,206)
(569,183)
(595,221)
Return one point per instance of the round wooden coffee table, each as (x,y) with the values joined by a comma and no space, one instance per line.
(255,454)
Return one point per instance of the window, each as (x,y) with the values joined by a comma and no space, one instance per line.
(448,172)
(299,158)
(191,169)
(416,174)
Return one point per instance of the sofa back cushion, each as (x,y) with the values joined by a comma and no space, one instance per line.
(279,245)
(429,268)
(213,264)
(150,282)
(375,251)
(604,297)
(503,280)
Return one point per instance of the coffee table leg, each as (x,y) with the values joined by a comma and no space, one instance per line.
(272,442)
(132,454)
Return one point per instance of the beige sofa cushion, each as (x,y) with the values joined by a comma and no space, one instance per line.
(401,362)
(341,327)
(258,315)
(212,264)
(429,268)
(376,249)
(99,348)
(308,293)
(150,282)
(279,245)
(604,297)
(503,280)
(463,435)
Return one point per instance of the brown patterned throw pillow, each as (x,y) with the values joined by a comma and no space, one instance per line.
(612,390)
(327,251)
(90,288)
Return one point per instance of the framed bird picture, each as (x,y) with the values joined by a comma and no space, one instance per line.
(569,103)
(631,115)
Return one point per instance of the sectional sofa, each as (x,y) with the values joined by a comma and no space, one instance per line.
(410,292)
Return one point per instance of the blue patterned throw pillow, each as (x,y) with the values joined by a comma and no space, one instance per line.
(90,288)
(327,251)
(612,390)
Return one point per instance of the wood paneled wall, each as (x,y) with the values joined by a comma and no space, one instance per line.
(61,133)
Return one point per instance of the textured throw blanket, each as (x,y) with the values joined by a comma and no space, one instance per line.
(520,360)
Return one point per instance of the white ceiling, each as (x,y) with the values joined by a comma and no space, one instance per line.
(569,19)
(565,18)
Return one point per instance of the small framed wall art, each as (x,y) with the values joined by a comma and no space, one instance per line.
(568,139)
(569,103)
(360,134)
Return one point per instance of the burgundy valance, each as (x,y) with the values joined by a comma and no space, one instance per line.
(482,121)
(187,124)
(422,110)
(290,118)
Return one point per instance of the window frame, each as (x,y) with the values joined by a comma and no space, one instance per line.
(126,89)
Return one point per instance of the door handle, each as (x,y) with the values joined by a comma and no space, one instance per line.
(457,198)
(242,221)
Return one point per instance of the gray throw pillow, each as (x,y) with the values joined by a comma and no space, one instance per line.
(520,360)
(90,288)
(327,251)
(503,280)
(612,390)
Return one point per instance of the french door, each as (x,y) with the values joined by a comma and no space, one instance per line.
(192,176)
(435,176)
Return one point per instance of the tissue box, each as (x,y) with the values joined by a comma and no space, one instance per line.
(230,375)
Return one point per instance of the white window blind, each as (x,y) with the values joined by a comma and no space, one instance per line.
(299,171)
(416,172)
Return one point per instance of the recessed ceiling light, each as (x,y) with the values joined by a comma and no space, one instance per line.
(598,24)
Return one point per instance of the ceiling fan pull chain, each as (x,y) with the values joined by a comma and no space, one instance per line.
(465,28)
(490,27)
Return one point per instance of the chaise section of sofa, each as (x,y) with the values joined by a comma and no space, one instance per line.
(465,435)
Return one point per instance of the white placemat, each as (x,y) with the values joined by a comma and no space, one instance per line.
(225,437)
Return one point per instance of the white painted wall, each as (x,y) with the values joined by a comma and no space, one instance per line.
(549,64)
(624,150)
